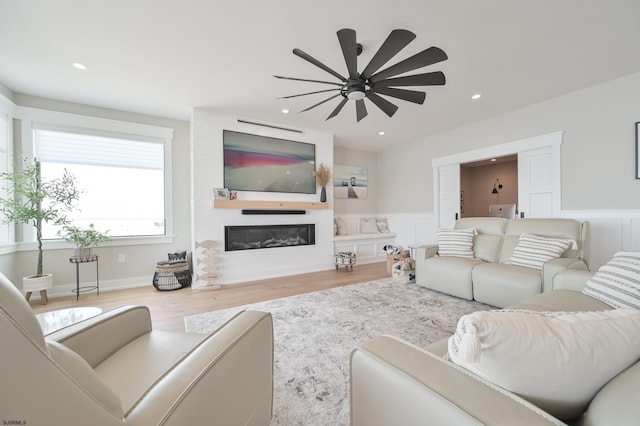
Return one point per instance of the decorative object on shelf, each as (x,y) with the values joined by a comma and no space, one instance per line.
(233,195)
(30,200)
(323,177)
(371,83)
(221,194)
(350,182)
(83,238)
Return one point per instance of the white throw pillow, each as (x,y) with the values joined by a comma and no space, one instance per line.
(383,225)
(341,225)
(368,225)
(556,360)
(456,242)
(533,251)
(617,283)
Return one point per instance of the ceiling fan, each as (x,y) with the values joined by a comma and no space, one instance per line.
(371,83)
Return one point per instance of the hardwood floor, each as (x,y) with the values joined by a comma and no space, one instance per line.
(168,308)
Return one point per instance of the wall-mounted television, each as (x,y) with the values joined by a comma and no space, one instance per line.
(266,164)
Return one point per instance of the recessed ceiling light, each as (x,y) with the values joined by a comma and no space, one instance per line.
(476,96)
(381,133)
(79,66)
(285,111)
(493,159)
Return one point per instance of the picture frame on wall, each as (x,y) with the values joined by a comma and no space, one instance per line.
(221,194)
(350,182)
(637,150)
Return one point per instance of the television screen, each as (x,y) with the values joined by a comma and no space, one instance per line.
(265,164)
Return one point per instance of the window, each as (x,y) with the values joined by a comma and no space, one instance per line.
(121,179)
(123,169)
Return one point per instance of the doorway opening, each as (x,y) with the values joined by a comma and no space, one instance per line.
(489,187)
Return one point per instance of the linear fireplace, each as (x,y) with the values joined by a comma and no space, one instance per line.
(268,236)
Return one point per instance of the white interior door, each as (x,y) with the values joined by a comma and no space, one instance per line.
(539,183)
(449,200)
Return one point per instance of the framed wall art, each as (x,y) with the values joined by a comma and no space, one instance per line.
(350,182)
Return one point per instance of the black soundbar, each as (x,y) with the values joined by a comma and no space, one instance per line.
(272,211)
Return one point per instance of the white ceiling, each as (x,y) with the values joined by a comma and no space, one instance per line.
(165,57)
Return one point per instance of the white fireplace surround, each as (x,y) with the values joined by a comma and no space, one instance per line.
(208,223)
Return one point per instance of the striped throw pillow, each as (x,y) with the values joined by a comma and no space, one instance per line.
(533,251)
(456,242)
(617,283)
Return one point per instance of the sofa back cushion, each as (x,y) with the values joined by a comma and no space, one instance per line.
(488,238)
(549,227)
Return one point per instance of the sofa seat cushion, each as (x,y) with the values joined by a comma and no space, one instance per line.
(501,284)
(548,358)
(451,275)
(561,300)
(133,369)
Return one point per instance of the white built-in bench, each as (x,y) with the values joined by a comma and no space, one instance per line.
(361,234)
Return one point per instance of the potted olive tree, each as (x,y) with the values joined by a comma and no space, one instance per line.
(30,200)
(83,238)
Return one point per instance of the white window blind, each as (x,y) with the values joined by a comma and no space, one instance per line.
(76,148)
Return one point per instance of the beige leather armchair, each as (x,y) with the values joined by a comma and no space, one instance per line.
(114,369)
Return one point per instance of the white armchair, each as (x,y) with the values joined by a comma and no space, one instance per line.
(113,369)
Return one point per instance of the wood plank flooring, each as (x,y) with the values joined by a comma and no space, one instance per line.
(168,308)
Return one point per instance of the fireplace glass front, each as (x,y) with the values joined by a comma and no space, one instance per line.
(268,236)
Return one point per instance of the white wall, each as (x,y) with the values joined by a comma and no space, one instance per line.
(598,161)
(208,223)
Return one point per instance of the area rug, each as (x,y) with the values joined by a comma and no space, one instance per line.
(314,334)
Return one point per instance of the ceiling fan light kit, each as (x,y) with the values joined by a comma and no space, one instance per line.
(371,83)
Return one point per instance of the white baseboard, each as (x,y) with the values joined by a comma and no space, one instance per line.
(62,290)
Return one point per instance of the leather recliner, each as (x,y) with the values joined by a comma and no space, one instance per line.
(113,369)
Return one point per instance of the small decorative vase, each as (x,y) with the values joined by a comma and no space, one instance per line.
(323,195)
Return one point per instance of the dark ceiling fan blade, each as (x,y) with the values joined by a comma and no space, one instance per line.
(405,95)
(427,79)
(386,106)
(317,63)
(311,81)
(428,56)
(361,109)
(397,40)
(308,93)
(347,38)
(338,109)
(320,103)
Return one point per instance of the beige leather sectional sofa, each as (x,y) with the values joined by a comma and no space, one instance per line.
(488,277)
(394,382)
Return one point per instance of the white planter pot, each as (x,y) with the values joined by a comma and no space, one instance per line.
(31,284)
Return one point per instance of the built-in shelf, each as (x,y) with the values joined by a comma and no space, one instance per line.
(269,205)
